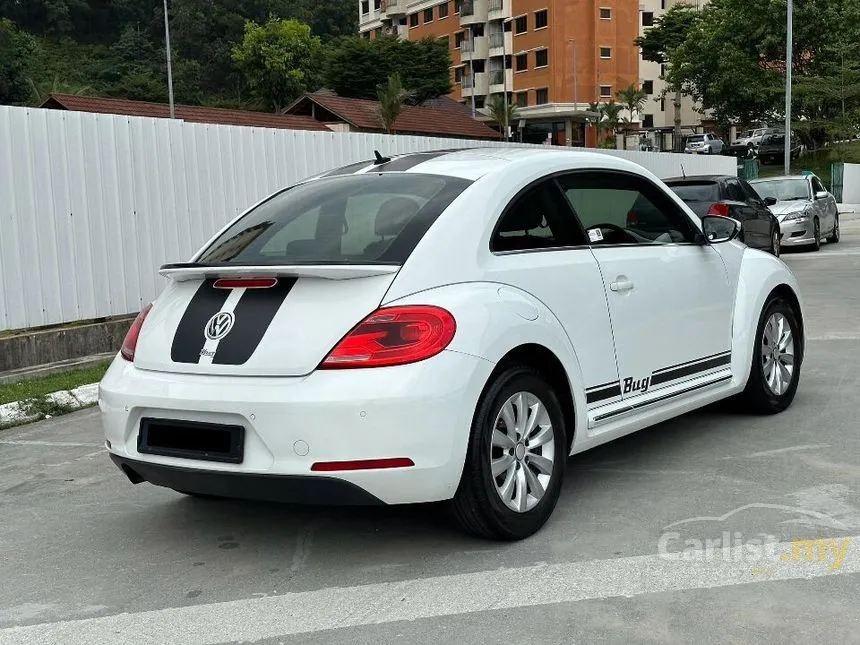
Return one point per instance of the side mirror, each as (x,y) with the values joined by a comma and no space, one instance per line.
(821,194)
(770,201)
(718,229)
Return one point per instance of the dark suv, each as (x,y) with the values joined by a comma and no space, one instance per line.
(729,196)
(772,148)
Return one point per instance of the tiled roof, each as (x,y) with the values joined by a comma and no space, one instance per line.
(190,113)
(363,114)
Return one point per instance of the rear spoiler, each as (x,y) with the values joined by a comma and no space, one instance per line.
(194,271)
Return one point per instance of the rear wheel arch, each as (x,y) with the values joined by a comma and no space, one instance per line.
(549,366)
(787,293)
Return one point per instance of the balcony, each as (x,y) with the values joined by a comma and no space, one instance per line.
(473,12)
(478,49)
(500,43)
(481,85)
(393,8)
(499,80)
(499,9)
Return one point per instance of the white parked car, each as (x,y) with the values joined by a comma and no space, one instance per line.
(445,326)
(705,144)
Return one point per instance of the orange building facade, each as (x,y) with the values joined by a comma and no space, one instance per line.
(552,58)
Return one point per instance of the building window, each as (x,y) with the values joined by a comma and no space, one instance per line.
(477,30)
(522,99)
(648,87)
(428,15)
(541,19)
(413,20)
(541,96)
(662,105)
(365,35)
(467,8)
(365,6)
(606,52)
(647,120)
(480,102)
(377,4)
(446,40)
(458,74)
(457,4)
(662,71)
(605,13)
(647,18)
(541,58)
(606,91)
(522,62)
(443,10)
(479,65)
(521,25)
(459,37)
(377,33)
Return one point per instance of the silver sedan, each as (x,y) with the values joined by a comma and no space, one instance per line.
(806,211)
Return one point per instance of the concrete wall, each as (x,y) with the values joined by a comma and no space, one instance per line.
(851,184)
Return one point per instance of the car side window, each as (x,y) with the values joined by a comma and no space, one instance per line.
(734,192)
(538,218)
(749,191)
(617,208)
(817,186)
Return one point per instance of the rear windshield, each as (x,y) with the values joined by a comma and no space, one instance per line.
(696,138)
(358,219)
(703,192)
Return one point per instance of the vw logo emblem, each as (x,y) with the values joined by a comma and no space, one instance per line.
(219,325)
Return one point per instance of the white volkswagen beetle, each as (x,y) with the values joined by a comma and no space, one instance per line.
(445,326)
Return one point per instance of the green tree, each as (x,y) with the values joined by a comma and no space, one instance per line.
(392,97)
(502,113)
(669,32)
(279,60)
(16,49)
(355,66)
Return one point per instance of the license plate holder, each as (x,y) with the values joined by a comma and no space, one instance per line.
(192,440)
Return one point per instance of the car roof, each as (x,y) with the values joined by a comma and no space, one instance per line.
(697,179)
(760,180)
(474,163)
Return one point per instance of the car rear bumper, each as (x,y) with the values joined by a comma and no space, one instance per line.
(422,412)
(296,489)
(797,232)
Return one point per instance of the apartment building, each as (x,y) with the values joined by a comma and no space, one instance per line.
(658,114)
(552,58)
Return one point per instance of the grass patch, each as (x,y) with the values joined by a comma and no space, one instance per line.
(37,388)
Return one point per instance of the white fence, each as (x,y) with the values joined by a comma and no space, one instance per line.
(851,184)
(91,205)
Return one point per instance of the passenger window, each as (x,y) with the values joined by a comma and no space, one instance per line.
(817,186)
(537,219)
(616,208)
(734,192)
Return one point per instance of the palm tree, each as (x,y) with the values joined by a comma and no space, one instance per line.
(392,99)
(633,100)
(610,116)
(41,91)
(501,113)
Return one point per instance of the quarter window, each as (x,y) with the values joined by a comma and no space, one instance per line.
(536,219)
(616,208)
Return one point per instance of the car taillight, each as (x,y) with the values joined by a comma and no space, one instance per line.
(129,344)
(394,336)
(632,220)
(719,209)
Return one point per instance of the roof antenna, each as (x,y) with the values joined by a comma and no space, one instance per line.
(683,173)
(380,159)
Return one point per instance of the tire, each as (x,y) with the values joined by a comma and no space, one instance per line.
(816,234)
(834,236)
(759,396)
(478,505)
(775,246)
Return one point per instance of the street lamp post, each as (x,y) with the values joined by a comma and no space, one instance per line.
(788,55)
(169,62)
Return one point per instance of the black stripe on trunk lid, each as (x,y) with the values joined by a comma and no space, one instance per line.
(253,315)
(190,335)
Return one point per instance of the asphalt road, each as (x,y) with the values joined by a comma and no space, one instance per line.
(89,558)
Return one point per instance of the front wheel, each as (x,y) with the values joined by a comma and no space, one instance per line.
(515,459)
(816,236)
(777,356)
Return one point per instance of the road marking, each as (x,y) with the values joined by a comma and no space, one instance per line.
(820,255)
(542,584)
(779,451)
(68,444)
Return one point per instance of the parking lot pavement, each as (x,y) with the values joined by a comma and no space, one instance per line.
(89,558)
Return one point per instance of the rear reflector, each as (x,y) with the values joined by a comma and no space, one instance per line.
(394,336)
(245,283)
(363,464)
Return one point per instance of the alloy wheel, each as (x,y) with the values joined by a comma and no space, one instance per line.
(522,453)
(777,354)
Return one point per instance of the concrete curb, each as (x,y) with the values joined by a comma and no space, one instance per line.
(19,412)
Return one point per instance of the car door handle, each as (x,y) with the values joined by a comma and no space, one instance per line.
(621,284)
